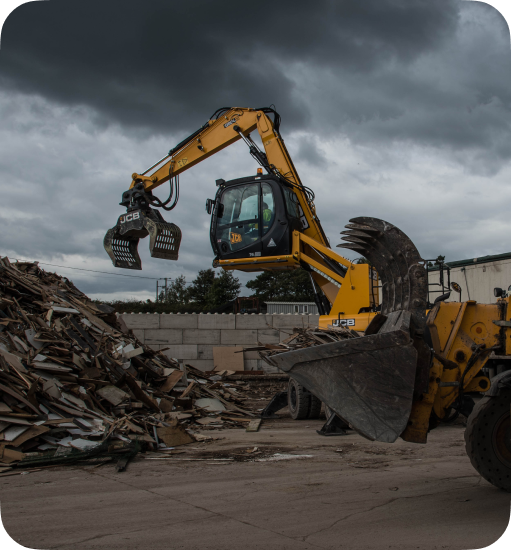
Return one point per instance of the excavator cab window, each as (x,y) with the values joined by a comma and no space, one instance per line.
(239,224)
(268,207)
(252,218)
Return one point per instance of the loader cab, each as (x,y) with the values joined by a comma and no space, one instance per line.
(253,217)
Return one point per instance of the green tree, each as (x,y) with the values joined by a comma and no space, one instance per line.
(177,294)
(225,288)
(201,286)
(282,286)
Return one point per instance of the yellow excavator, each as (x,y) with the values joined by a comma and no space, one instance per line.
(266,222)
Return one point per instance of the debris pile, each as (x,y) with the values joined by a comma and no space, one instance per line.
(75,384)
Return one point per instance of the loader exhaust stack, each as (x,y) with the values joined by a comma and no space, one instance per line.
(121,242)
(370,382)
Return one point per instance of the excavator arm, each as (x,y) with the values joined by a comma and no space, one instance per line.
(308,245)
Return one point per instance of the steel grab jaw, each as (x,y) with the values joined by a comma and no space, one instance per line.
(121,242)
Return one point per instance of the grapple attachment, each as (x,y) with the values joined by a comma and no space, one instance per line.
(121,242)
(370,381)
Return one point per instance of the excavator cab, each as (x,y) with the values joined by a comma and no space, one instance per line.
(253,217)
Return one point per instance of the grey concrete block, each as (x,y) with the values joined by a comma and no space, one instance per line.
(182,351)
(268,336)
(239,337)
(204,351)
(155,347)
(139,333)
(164,336)
(141,320)
(285,334)
(311,321)
(216,322)
(269,319)
(196,336)
(251,354)
(288,321)
(178,321)
(269,369)
(251,364)
(201,364)
(251,322)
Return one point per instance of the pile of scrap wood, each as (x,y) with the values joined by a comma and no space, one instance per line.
(76,384)
(304,338)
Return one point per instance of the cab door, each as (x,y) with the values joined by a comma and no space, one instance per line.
(238,230)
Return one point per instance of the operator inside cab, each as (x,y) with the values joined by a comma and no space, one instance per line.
(267,217)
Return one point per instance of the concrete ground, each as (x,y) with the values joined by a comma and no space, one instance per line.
(350,493)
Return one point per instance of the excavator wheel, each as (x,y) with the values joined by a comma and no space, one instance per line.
(488,439)
(315,407)
(298,400)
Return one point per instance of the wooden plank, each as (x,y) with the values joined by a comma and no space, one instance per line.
(140,394)
(188,390)
(171,381)
(19,397)
(35,431)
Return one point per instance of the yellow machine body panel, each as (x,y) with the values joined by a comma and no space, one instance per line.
(463,337)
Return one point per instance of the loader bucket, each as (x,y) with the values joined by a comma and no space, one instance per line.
(121,242)
(370,382)
(367,381)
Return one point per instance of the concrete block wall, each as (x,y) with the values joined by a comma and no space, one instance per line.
(190,338)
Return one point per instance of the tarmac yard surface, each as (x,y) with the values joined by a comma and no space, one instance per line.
(350,493)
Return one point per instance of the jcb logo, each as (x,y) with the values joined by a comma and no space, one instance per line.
(182,162)
(231,122)
(235,238)
(130,217)
(344,323)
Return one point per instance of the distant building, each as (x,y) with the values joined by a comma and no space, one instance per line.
(477,277)
(292,307)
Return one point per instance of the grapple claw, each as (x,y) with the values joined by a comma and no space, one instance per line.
(121,241)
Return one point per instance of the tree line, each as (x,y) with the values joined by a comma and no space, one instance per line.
(209,292)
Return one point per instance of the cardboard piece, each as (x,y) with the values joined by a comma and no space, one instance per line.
(174,435)
(226,358)
(253,425)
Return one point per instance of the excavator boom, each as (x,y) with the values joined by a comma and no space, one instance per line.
(262,222)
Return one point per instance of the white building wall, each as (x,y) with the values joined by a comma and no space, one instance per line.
(477,281)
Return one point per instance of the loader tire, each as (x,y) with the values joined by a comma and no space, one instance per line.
(315,407)
(488,439)
(298,400)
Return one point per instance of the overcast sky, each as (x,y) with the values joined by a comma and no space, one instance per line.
(398,109)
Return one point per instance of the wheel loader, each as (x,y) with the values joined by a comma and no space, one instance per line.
(413,367)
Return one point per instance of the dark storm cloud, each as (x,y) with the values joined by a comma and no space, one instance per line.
(170,64)
(398,109)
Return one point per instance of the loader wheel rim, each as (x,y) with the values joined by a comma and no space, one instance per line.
(501,439)
(293,398)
